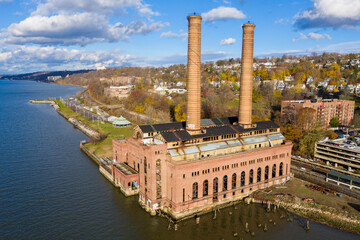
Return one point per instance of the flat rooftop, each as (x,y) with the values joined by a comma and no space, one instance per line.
(345,143)
(125,169)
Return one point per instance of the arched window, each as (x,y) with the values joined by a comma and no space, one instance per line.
(225,183)
(242,179)
(195,190)
(258,174)
(251,176)
(145,165)
(266,172)
(233,181)
(281,169)
(158,179)
(205,188)
(215,186)
(274,171)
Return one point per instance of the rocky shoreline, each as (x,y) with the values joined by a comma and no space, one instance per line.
(329,217)
(315,212)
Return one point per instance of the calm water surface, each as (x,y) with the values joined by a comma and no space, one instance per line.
(50,190)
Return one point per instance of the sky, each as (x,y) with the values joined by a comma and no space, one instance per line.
(40,35)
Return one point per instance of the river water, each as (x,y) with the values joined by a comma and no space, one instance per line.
(49,189)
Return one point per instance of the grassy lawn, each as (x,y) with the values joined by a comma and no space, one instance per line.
(102,148)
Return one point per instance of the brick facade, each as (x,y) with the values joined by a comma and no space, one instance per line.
(325,110)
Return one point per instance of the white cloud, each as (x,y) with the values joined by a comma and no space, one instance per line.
(281,20)
(171,34)
(69,22)
(330,13)
(79,28)
(312,35)
(223,13)
(228,41)
(35,58)
(178,58)
(96,6)
(145,10)
(327,36)
(343,48)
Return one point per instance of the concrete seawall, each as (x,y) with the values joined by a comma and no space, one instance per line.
(85,129)
(89,154)
(51,102)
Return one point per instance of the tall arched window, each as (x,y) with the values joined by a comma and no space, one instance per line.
(225,183)
(274,171)
(233,181)
(242,179)
(251,176)
(205,188)
(266,172)
(195,190)
(215,185)
(158,179)
(281,169)
(145,165)
(258,174)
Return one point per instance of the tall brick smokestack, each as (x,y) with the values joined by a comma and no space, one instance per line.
(193,109)
(245,105)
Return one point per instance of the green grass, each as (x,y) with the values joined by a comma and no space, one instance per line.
(101,148)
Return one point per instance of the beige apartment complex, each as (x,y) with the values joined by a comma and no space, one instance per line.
(325,109)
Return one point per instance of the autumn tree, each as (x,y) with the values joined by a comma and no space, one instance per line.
(310,137)
(306,118)
(334,122)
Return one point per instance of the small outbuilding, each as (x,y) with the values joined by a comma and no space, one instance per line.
(121,122)
(112,118)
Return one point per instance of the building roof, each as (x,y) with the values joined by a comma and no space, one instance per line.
(208,124)
(121,121)
(125,168)
(340,175)
(174,132)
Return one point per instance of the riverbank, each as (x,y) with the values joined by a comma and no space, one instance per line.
(326,208)
(101,134)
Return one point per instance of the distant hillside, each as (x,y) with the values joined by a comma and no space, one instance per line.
(50,76)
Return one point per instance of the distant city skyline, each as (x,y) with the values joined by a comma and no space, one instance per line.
(84,34)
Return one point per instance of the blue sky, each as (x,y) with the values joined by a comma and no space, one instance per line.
(39,35)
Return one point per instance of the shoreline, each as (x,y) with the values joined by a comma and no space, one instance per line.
(324,217)
(314,213)
(312,210)
(87,130)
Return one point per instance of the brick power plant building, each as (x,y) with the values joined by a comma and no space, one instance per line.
(186,168)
